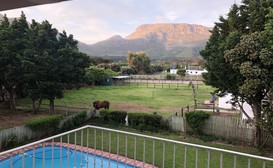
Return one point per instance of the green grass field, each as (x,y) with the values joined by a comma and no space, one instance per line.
(133,98)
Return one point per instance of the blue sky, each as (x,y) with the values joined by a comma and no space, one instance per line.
(91,21)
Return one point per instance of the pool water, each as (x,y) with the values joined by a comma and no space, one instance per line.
(63,157)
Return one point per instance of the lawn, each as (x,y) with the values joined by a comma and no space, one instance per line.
(133,98)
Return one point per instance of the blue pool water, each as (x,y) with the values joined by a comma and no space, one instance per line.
(63,157)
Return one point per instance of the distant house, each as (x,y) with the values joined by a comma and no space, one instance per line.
(120,80)
(173,71)
(195,72)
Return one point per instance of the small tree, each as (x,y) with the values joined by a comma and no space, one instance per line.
(181,72)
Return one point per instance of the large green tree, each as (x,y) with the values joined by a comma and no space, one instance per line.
(52,63)
(12,45)
(238,56)
(139,61)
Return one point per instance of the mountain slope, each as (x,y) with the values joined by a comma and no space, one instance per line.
(157,40)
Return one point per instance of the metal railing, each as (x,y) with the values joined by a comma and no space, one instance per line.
(126,148)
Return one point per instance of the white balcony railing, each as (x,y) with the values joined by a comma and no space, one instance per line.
(114,148)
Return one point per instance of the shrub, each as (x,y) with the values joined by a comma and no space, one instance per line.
(9,142)
(117,117)
(75,121)
(170,77)
(196,120)
(145,121)
(104,115)
(44,123)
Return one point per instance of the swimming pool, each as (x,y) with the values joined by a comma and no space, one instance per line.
(63,157)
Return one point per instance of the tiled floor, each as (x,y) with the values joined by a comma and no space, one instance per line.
(115,157)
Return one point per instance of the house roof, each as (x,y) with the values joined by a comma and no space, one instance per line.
(121,77)
(13,4)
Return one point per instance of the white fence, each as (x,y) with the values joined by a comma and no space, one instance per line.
(229,128)
(24,133)
(222,127)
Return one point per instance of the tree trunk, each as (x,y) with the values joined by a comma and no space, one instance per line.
(11,99)
(2,94)
(258,133)
(51,104)
(35,108)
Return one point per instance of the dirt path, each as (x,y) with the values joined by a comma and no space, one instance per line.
(9,119)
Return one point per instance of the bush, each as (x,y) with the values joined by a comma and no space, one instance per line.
(9,142)
(117,117)
(143,121)
(196,120)
(104,115)
(170,77)
(44,123)
(75,121)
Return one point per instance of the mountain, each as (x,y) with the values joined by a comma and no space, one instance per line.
(157,40)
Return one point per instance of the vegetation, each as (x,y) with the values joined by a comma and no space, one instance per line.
(135,99)
(113,117)
(170,77)
(239,56)
(144,121)
(94,75)
(74,121)
(44,123)
(181,72)
(196,121)
(39,61)
(139,61)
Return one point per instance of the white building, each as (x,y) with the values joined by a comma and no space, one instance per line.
(173,71)
(189,72)
(225,103)
(196,72)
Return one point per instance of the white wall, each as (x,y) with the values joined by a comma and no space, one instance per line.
(195,72)
(224,102)
(173,71)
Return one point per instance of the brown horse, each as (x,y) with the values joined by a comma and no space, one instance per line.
(101,104)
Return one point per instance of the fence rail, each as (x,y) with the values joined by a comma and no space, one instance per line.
(129,149)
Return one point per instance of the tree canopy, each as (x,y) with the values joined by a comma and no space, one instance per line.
(39,60)
(139,61)
(239,56)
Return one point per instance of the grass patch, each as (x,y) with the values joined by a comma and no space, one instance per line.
(132,98)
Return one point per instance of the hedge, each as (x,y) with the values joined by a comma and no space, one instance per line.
(144,121)
(75,121)
(117,117)
(44,123)
(196,120)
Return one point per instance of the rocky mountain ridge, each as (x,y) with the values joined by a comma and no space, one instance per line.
(157,40)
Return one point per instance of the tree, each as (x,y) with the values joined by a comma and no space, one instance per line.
(181,72)
(52,63)
(139,61)
(12,45)
(93,74)
(238,56)
(254,62)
